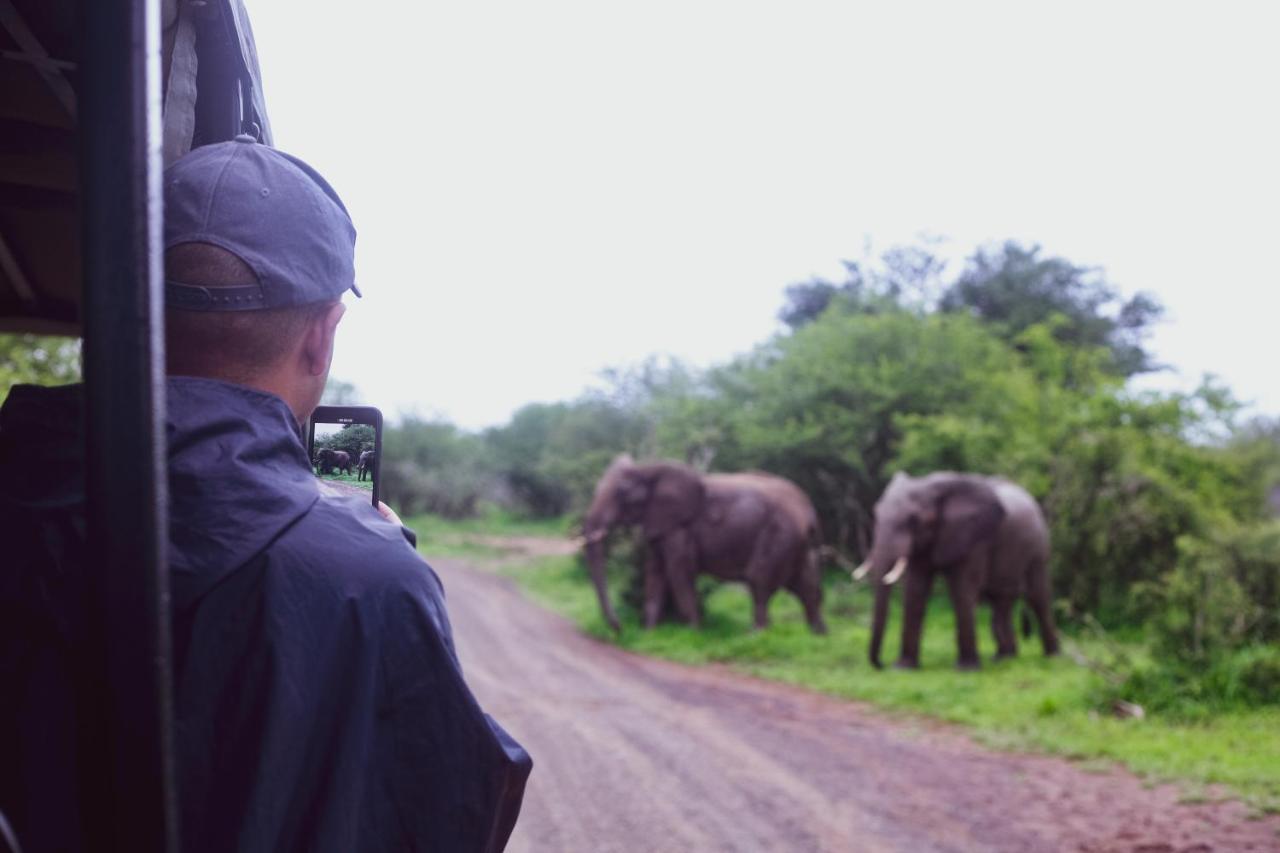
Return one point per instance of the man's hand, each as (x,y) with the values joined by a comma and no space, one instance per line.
(389,514)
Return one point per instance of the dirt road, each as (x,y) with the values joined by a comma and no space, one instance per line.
(633,754)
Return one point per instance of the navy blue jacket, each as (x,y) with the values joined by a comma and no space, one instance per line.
(319,701)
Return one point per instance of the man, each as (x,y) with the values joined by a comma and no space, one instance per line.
(319,702)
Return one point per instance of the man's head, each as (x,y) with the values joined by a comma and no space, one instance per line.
(258,251)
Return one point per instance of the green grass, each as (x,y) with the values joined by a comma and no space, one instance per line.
(350,479)
(473,537)
(494,522)
(1050,705)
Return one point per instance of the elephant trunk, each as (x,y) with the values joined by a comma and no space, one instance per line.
(595,564)
(879,617)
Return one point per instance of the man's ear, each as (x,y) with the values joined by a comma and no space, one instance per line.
(317,346)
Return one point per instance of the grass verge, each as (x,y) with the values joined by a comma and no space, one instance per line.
(1049,705)
(484,537)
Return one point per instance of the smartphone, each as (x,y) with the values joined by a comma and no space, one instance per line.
(344,444)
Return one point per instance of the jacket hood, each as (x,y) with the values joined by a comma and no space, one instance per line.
(238,471)
(238,477)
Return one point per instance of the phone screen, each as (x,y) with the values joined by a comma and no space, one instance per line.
(345,447)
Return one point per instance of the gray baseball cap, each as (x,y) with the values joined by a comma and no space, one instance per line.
(272,211)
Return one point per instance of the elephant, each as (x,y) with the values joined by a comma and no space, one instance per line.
(751,527)
(368,459)
(986,535)
(328,459)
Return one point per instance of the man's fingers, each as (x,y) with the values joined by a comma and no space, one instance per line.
(389,514)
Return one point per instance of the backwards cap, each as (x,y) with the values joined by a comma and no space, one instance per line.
(269,209)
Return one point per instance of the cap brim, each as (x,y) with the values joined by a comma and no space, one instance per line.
(356,290)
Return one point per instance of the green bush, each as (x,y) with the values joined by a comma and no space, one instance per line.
(38,360)
(432,466)
(1226,681)
(549,456)
(1213,625)
(1222,595)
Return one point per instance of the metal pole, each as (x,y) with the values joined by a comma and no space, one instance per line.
(129,796)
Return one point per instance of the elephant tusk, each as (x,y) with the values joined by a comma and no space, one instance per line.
(896,572)
(861,572)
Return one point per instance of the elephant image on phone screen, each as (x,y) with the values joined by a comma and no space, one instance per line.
(751,527)
(985,535)
(328,461)
(368,460)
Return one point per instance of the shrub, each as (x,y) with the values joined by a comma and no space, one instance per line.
(432,466)
(1222,595)
(37,359)
(1213,625)
(550,455)
(1244,678)
(445,492)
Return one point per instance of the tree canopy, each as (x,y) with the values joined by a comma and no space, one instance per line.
(1009,288)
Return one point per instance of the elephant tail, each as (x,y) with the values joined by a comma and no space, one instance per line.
(1026,622)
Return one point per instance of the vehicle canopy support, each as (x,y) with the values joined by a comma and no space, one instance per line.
(134,808)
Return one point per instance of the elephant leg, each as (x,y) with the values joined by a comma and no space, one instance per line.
(764,574)
(807,586)
(915,599)
(655,589)
(1002,627)
(678,555)
(1048,632)
(964,599)
(760,606)
(1040,599)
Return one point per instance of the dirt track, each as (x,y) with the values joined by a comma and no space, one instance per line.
(633,754)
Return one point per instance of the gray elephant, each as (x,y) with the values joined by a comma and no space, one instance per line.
(368,459)
(989,539)
(328,460)
(750,527)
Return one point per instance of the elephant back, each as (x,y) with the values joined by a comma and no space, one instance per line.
(1022,544)
(783,495)
(1022,513)
(787,495)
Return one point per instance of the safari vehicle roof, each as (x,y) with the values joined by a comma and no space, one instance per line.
(212,92)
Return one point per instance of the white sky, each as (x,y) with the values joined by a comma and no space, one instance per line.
(546,189)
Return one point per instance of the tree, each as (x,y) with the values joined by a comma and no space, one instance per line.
(38,360)
(519,450)
(1256,445)
(1013,288)
(433,466)
(340,393)
(827,405)
(902,277)
(353,438)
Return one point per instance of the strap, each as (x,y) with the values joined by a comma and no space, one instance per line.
(193,297)
(180,98)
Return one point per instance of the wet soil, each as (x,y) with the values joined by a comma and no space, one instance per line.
(635,754)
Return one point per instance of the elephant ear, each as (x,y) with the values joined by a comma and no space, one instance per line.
(968,512)
(676,497)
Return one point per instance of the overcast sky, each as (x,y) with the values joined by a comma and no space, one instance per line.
(546,189)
